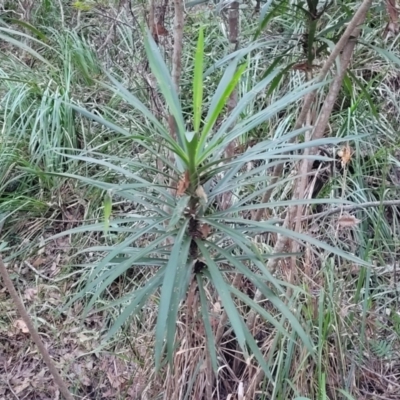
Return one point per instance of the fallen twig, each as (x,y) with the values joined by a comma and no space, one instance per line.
(350,207)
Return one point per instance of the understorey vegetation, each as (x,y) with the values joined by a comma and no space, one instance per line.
(199,200)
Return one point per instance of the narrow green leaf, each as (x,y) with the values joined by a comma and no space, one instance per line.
(107,206)
(178,211)
(266,15)
(174,146)
(123,171)
(260,311)
(235,113)
(104,279)
(278,78)
(246,245)
(167,87)
(207,326)
(260,357)
(242,333)
(192,148)
(273,298)
(239,54)
(100,120)
(331,46)
(139,297)
(198,82)
(193,3)
(26,48)
(366,90)
(100,281)
(168,294)
(311,30)
(300,236)
(226,299)
(224,90)
(257,119)
(135,102)
(336,26)
(113,227)
(265,8)
(181,284)
(275,204)
(384,53)
(29,27)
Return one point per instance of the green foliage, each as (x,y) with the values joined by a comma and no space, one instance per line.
(197,166)
(59,116)
(83,5)
(381,348)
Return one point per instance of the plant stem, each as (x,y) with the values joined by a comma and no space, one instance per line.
(225,200)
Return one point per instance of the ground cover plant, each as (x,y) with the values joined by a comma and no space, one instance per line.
(200,203)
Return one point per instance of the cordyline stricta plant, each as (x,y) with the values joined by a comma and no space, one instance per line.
(178,230)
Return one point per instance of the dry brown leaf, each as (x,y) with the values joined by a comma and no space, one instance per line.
(85,380)
(217,307)
(201,194)
(30,293)
(345,154)
(225,200)
(39,262)
(183,184)
(205,230)
(348,221)
(115,380)
(20,388)
(160,29)
(63,243)
(21,326)
(304,66)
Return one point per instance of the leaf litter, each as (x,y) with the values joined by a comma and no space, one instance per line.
(73,344)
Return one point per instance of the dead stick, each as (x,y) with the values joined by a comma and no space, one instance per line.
(351,207)
(337,210)
(35,336)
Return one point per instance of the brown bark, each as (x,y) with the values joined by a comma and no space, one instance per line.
(233,22)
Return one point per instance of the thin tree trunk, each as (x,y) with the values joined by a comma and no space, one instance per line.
(233,22)
(176,76)
(178,43)
(176,57)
